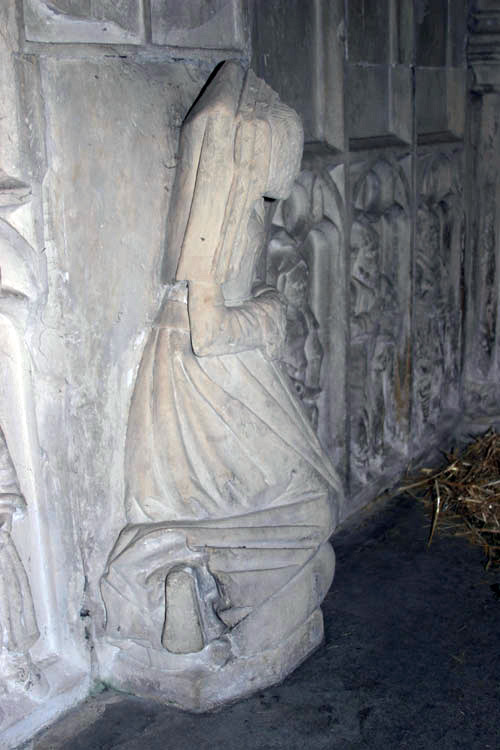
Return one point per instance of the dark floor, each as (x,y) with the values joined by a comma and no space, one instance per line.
(411,660)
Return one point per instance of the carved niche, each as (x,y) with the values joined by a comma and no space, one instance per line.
(439,240)
(213,589)
(379,315)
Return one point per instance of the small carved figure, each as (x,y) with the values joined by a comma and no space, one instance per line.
(230,497)
(302,351)
(372,348)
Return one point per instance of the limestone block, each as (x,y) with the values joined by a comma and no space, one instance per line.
(213,587)
(209,24)
(94,21)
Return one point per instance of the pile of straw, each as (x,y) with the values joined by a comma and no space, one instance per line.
(465,494)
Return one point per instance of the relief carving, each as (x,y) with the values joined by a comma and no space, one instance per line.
(290,262)
(230,498)
(379,274)
(18,624)
(303,257)
(438,253)
(84,21)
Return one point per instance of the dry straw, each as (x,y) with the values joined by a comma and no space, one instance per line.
(465,494)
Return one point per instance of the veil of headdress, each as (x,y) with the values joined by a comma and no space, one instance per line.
(228,159)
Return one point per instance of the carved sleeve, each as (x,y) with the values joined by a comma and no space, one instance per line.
(217,329)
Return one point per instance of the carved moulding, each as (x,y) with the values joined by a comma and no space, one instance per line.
(439,242)
(380,260)
(214,587)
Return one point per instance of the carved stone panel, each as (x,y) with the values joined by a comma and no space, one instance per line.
(439,239)
(305,260)
(380,262)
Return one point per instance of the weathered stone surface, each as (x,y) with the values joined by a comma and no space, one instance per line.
(111,164)
(93,21)
(366,253)
(210,24)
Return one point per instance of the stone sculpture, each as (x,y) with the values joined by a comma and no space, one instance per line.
(303,352)
(214,587)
